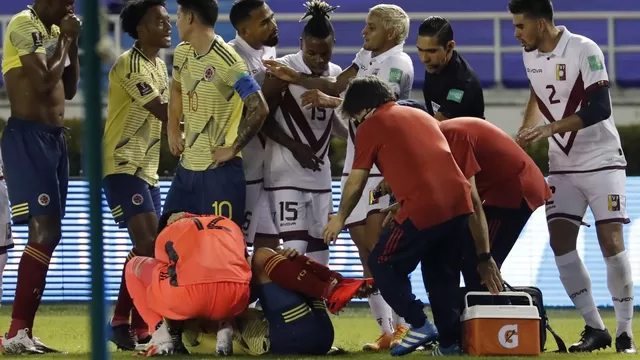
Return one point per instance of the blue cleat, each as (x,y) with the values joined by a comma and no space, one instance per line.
(452,350)
(415,338)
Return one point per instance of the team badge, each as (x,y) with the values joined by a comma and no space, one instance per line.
(561,72)
(44,199)
(137,199)
(613,202)
(209,72)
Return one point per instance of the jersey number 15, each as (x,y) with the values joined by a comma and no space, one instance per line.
(319,114)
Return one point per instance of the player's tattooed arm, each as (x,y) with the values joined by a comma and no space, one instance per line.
(251,123)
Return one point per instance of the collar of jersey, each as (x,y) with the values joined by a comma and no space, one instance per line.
(35,14)
(139,51)
(385,55)
(248,49)
(562,44)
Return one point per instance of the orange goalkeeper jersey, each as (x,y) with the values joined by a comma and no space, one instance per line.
(204,249)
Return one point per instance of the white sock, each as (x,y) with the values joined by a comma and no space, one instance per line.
(321,256)
(400,321)
(298,245)
(382,312)
(577,283)
(3,263)
(620,283)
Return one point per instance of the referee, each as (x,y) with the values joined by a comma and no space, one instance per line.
(451,87)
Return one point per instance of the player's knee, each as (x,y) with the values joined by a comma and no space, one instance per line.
(611,238)
(563,236)
(45,230)
(260,257)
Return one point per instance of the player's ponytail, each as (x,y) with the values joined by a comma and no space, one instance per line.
(319,25)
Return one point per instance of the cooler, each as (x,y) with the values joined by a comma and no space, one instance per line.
(489,330)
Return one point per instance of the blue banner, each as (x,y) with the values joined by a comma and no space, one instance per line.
(531,262)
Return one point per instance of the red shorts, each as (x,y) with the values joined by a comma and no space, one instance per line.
(216,301)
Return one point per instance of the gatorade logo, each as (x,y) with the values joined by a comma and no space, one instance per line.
(508,336)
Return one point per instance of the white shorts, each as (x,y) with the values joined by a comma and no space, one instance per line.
(602,191)
(301,211)
(364,208)
(257,214)
(6,239)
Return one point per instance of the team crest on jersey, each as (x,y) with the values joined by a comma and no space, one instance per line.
(137,199)
(375,72)
(44,199)
(209,72)
(613,202)
(561,72)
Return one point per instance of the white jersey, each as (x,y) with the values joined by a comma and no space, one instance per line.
(253,152)
(560,81)
(311,126)
(5,212)
(394,67)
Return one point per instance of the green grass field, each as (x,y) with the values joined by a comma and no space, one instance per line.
(67,327)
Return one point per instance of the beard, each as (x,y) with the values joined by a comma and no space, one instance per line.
(271,41)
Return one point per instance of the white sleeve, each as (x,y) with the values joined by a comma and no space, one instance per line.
(592,65)
(397,71)
(362,57)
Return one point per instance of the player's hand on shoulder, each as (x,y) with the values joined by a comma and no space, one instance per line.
(333,229)
(281,71)
(288,253)
(221,155)
(176,143)
(70,26)
(305,156)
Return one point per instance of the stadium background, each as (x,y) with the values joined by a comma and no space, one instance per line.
(485,37)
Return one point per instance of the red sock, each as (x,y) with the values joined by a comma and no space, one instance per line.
(32,275)
(297,276)
(124,304)
(323,272)
(138,326)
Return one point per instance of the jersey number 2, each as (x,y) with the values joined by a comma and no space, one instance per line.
(552,96)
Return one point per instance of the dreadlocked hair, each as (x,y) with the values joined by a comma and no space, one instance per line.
(319,25)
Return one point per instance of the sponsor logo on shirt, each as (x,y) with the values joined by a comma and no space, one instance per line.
(455,95)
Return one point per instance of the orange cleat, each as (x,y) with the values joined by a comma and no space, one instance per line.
(383,342)
(398,335)
(345,290)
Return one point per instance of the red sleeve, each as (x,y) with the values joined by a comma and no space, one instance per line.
(463,152)
(366,148)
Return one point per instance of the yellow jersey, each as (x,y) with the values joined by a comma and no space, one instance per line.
(25,35)
(211,105)
(131,140)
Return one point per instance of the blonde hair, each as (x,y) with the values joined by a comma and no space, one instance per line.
(393,17)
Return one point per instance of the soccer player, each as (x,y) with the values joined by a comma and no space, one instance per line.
(211,83)
(6,238)
(301,197)
(432,216)
(138,97)
(570,88)
(200,270)
(451,87)
(256,38)
(382,55)
(40,68)
(292,289)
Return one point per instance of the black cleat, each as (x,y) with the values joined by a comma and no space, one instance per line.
(592,339)
(625,344)
(122,337)
(178,345)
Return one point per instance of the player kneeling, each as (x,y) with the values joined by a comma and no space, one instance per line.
(200,270)
(292,289)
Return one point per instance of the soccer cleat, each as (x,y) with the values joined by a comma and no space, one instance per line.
(415,338)
(121,336)
(20,344)
(453,350)
(383,342)
(625,344)
(178,345)
(591,339)
(345,290)
(224,343)
(161,342)
(141,344)
(397,336)
(44,348)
